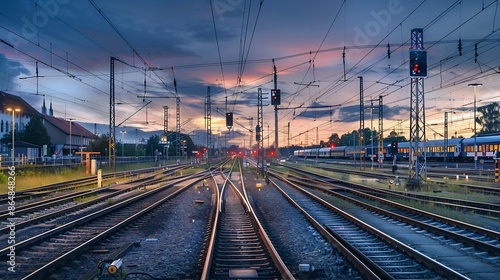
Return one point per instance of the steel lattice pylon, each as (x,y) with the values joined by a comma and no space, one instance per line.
(208,122)
(380,131)
(417,158)
(112,128)
(260,123)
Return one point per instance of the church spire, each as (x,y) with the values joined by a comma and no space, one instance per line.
(44,108)
(51,112)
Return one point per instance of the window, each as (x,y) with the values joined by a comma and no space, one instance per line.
(1,126)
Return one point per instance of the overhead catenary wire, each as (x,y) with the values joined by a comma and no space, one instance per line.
(339,89)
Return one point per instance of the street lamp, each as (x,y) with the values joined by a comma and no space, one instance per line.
(13,110)
(123,133)
(69,154)
(475,85)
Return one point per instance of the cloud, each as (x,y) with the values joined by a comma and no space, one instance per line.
(9,70)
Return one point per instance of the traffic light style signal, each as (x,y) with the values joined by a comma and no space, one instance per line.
(229,119)
(418,63)
(394,147)
(275,97)
(257,133)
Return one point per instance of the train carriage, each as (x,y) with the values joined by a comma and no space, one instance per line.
(337,152)
(324,152)
(353,152)
(458,150)
(486,146)
(402,153)
(369,151)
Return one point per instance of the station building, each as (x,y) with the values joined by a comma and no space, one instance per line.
(67,136)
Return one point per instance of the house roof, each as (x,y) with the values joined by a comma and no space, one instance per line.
(8,100)
(63,125)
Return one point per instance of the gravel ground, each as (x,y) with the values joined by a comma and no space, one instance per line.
(170,239)
(294,237)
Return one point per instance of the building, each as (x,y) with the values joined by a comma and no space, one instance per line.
(21,118)
(67,136)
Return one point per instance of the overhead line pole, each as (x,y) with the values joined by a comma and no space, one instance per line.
(208,122)
(276,114)
(112,128)
(417,158)
(361,122)
(380,131)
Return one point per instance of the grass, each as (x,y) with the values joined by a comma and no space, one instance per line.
(28,178)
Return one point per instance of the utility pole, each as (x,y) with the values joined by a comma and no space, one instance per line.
(276,113)
(361,123)
(259,133)
(112,128)
(208,122)
(380,131)
(288,135)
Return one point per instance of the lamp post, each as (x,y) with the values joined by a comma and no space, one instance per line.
(123,133)
(475,85)
(13,110)
(70,126)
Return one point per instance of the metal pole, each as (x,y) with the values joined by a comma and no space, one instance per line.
(123,134)
(70,121)
(475,85)
(13,127)
(12,154)
(371,129)
(13,131)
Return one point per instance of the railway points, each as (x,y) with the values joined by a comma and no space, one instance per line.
(186,215)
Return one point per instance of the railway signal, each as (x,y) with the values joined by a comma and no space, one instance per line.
(275,97)
(418,63)
(229,119)
(257,133)
(394,147)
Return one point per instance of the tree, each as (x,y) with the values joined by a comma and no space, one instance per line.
(394,136)
(153,146)
(333,140)
(35,133)
(100,145)
(489,118)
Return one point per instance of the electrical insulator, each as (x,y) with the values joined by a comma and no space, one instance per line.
(275,97)
(418,63)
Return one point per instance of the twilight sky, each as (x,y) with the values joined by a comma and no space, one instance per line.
(230,46)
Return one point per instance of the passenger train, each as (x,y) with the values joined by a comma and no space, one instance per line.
(459,150)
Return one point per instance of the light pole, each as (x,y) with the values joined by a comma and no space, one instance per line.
(13,110)
(475,85)
(123,133)
(70,126)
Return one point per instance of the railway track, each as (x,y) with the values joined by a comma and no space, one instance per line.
(483,189)
(38,256)
(385,256)
(486,241)
(42,212)
(58,190)
(489,209)
(239,247)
